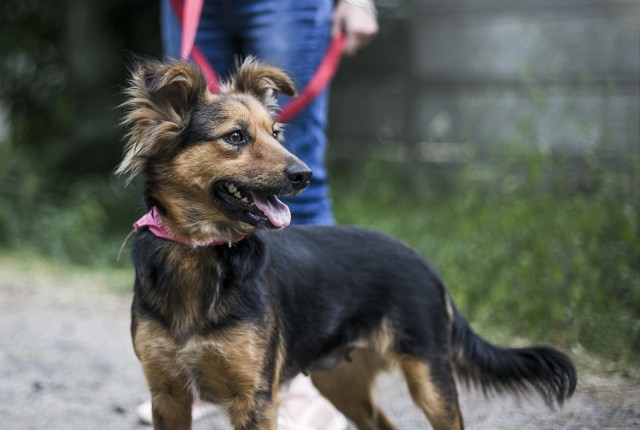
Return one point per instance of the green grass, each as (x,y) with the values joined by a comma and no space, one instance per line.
(530,245)
(75,220)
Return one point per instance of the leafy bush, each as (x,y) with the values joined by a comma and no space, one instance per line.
(81,221)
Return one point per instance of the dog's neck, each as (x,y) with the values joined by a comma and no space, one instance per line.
(153,221)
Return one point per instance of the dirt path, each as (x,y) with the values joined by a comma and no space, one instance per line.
(66,362)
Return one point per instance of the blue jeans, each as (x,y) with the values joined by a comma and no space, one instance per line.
(291,34)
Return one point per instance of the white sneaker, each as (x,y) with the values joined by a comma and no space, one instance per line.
(144,412)
(304,408)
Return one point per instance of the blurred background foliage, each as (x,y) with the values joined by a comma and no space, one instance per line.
(499,138)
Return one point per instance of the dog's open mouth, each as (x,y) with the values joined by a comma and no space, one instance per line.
(261,208)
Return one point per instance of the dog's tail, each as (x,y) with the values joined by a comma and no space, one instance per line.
(511,370)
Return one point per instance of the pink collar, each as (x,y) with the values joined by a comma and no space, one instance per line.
(153,221)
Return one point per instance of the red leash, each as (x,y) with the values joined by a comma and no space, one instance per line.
(189,22)
(318,81)
(189,16)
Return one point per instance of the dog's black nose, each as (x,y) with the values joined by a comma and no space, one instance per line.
(299,175)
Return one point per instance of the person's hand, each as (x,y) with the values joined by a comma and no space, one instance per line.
(358,20)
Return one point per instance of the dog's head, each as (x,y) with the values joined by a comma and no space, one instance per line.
(213,163)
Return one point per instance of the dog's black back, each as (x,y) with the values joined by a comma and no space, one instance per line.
(339,284)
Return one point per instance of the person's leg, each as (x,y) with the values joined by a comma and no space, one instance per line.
(291,34)
(294,35)
(214,37)
(171,30)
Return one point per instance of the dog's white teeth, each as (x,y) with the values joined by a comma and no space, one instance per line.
(235,191)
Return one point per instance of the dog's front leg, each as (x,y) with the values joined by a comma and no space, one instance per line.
(258,413)
(171,407)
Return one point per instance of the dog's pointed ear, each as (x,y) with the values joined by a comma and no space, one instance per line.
(158,101)
(261,81)
(174,86)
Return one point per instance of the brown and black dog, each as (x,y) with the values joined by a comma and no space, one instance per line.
(231,323)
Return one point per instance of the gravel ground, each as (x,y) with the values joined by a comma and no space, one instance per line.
(66,362)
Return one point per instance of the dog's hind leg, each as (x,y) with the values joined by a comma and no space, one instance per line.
(348,387)
(433,389)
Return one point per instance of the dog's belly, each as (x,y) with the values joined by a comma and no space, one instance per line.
(336,357)
(228,367)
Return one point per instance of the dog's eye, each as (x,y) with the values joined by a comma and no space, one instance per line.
(235,137)
(276,133)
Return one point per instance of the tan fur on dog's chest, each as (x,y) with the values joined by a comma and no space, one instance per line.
(228,368)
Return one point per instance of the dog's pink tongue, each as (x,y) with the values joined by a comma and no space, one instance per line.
(278,213)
